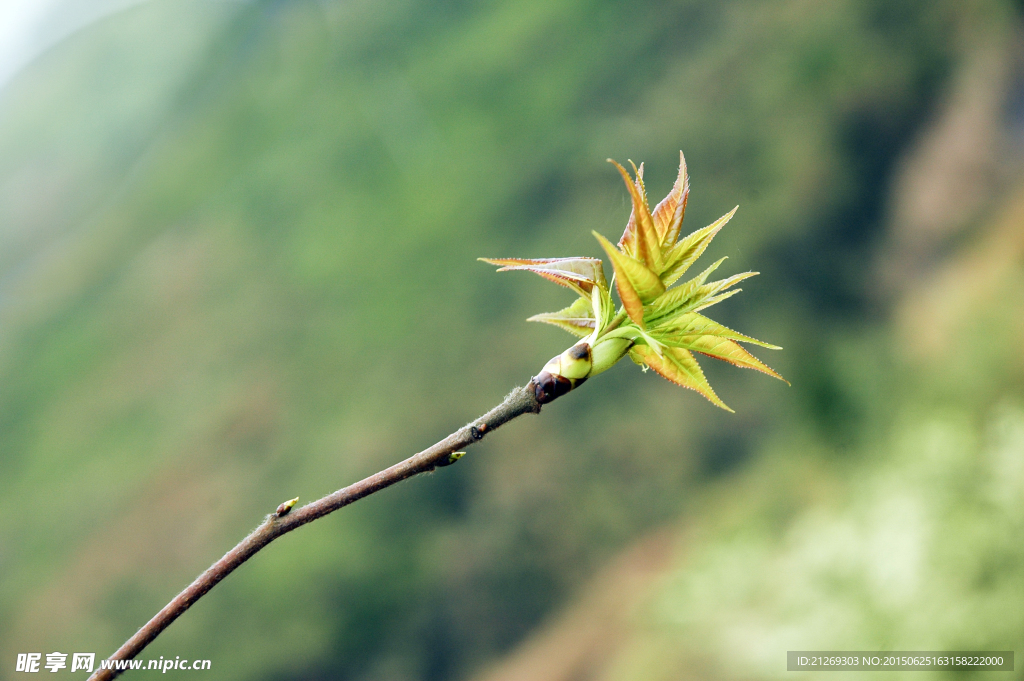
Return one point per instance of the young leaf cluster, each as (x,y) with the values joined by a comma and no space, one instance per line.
(659,324)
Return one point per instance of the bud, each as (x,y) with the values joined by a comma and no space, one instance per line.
(658,324)
(285,508)
(563,373)
(450,459)
(574,364)
(607,352)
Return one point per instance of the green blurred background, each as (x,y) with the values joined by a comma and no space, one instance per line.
(237,264)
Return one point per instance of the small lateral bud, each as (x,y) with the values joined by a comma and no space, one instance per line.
(450,459)
(284,508)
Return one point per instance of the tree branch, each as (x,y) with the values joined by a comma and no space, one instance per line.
(520,401)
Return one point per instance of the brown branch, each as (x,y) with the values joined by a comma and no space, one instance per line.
(520,401)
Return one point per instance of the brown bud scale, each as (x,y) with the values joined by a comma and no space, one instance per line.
(548,386)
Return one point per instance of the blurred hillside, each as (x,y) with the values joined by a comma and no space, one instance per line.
(913,545)
(237,248)
(911,540)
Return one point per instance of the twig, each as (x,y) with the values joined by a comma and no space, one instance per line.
(520,401)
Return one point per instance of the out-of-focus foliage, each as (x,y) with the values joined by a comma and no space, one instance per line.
(237,248)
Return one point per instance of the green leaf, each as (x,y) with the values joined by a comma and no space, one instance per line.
(686,252)
(628,241)
(578,319)
(641,337)
(668,215)
(723,349)
(579,274)
(692,297)
(680,367)
(663,328)
(693,324)
(680,299)
(708,302)
(604,308)
(636,284)
(640,238)
(722,284)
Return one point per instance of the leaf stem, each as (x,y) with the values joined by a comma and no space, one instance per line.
(614,323)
